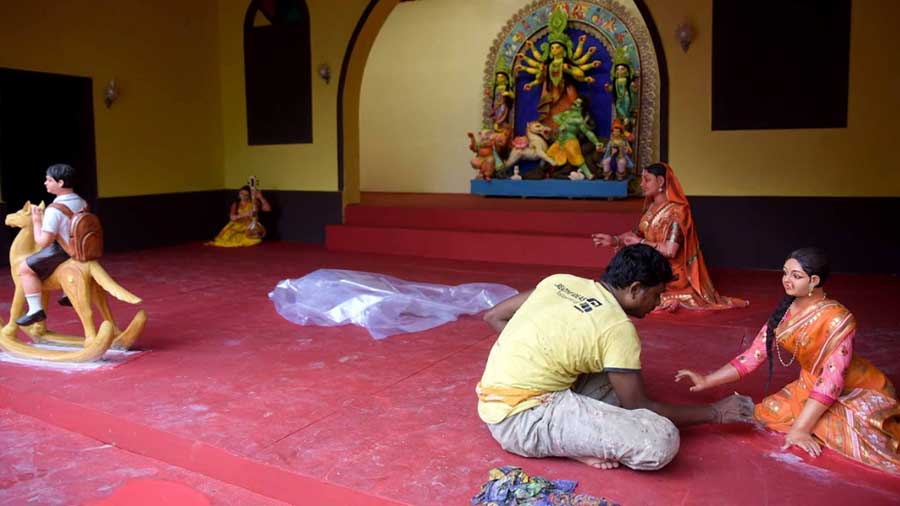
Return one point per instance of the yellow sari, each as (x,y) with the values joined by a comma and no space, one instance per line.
(240,232)
(863,420)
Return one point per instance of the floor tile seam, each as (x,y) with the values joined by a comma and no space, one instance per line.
(124,449)
(304,426)
(352,398)
(125,428)
(164,298)
(434,363)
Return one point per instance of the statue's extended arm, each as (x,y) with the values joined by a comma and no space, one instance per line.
(581,60)
(575,72)
(538,76)
(579,48)
(531,70)
(537,54)
(530,61)
(590,135)
(590,66)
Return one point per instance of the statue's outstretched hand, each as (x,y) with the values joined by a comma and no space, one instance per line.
(804,441)
(698,380)
(602,239)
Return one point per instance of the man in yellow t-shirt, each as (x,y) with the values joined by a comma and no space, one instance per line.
(563,378)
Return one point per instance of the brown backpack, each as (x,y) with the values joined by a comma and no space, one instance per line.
(85,234)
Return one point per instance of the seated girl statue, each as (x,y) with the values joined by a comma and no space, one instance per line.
(667,226)
(244,229)
(840,399)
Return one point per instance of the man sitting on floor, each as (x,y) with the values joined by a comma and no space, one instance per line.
(564,377)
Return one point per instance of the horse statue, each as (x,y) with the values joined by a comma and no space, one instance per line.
(532,145)
(86,285)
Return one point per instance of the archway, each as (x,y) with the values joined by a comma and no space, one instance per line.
(356,58)
(349,86)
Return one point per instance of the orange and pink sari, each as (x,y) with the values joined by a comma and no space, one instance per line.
(863,418)
(692,287)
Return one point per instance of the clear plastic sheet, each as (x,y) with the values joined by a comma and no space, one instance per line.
(384,305)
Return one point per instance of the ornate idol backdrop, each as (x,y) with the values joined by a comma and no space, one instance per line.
(592,58)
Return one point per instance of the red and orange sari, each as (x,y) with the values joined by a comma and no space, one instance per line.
(692,287)
(863,417)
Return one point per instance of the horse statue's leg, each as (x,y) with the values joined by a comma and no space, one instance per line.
(98,294)
(135,328)
(89,353)
(16,309)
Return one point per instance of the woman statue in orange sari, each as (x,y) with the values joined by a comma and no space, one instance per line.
(840,400)
(667,225)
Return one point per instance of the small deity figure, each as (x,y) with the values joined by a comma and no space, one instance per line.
(516,176)
(622,85)
(555,67)
(486,160)
(619,149)
(501,105)
(567,147)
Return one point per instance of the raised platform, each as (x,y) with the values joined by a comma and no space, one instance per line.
(467,227)
(251,410)
(551,188)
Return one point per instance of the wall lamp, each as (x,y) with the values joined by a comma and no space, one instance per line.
(325,72)
(685,34)
(110,93)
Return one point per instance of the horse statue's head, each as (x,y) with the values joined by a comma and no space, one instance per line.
(22,217)
(538,128)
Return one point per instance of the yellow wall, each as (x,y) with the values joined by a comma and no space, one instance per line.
(855,161)
(180,122)
(421,93)
(164,133)
(354,74)
(311,167)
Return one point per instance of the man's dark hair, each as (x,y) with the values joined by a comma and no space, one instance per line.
(639,263)
(63,172)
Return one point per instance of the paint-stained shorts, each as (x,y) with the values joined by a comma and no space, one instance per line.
(45,261)
(587,421)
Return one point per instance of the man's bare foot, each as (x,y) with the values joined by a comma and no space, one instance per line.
(597,462)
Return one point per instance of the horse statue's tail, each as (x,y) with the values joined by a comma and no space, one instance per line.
(109,284)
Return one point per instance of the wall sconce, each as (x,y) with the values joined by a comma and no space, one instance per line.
(325,72)
(111,93)
(685,34)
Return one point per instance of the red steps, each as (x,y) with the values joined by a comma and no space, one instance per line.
(518,236)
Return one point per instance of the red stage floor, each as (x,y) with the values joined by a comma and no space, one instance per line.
(247,408)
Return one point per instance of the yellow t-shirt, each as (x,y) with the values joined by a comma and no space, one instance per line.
(567,327)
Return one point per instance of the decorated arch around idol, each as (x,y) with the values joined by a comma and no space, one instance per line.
(577,81)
